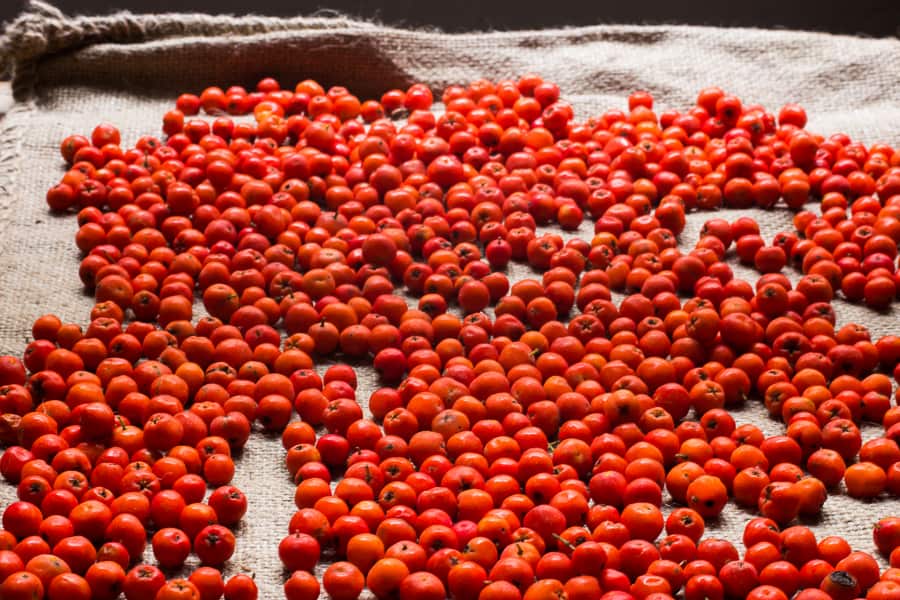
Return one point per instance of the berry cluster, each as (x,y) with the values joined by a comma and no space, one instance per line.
(528,430)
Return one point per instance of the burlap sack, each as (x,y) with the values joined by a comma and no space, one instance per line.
(71,73)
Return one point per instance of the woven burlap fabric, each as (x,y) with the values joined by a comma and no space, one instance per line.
(71,73)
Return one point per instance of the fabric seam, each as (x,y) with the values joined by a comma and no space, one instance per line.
(43,30)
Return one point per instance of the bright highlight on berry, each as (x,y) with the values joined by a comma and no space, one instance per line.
(562,436)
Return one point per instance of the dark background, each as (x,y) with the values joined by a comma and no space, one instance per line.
(866,17)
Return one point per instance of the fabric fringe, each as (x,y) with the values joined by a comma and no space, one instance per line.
(42,30)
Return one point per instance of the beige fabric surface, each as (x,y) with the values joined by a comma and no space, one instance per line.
(71,73)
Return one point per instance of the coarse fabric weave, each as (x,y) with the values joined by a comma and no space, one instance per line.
(72,73)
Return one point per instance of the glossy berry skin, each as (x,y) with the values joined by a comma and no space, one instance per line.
(214,544)
(525,425)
